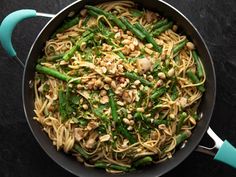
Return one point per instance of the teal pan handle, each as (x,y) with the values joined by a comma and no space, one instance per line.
(8,24)
(222,151)
(226,154)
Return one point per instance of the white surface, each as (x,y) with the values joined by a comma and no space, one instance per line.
(45,15)
(218,141)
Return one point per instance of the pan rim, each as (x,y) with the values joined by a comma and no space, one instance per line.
(186,151)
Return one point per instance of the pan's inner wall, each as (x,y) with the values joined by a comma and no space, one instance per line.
(69,163)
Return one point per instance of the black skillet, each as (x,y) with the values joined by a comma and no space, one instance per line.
(226,152)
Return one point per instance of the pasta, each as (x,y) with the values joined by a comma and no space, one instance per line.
(118,87)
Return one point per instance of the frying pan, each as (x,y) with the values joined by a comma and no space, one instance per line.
(222,150)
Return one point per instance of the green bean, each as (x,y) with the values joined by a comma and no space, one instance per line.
(160,23)
(81,151)
(113,106)
(83,122)
(143,161)
(108,15)
(85,39)
(120,54)
(62,105)
(177,59)
(134,76)
(86,20)
(198,63)
(67,25)
(134,30)
(69,104)
(71,52)
(179,46)
(86,33)
(55,57)
(126,134)
(52,72)
(163,28)
(111,166)
(158,92)
(182,118)
(141,97)
(182,136)
(196,116)
(138,116)
(100,115)
(195,80)
(136,13)
(141,117)
(148,37)
(159,122)
(174,92)
(91,12)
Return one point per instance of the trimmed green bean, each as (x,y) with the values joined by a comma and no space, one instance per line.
(85,39)
(198,63)
(100,115)
(113,106)
(120,54)
(111,166)
(126,134)
(134,30)
(52,72)
(161,29)
(175,93)
(80,150)
(55,57)
(134,76)
(148,37)
(182,118)
(136,13)
(62,105)
(179,46)
(143,161)
(195,80)
(141,117)
(86,20)
(108,15)
(138,116)
(71,52)
(91,12)
(177,59)
(159,122)
(182,136)
(141,97)
(196,116)
(158,92)
(68,24)
(160,23)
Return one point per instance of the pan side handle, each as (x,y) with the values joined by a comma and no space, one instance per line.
(222,151)
(9,23)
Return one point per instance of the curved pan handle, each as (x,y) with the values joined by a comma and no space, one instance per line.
(8,25)
(222,151)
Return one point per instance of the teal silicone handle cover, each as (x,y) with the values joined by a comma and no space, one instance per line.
(8,25)
(226,154)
